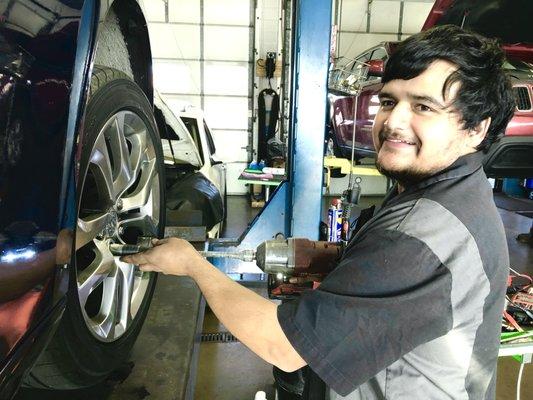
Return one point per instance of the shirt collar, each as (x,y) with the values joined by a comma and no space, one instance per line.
(463,166)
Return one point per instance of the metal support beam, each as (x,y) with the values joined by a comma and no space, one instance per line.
(294,209)
(310,72)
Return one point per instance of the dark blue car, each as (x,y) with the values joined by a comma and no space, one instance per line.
(81,167)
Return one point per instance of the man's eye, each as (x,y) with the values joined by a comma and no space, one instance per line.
(386,103)
(423,108)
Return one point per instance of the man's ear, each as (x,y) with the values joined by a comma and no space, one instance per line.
(477,134)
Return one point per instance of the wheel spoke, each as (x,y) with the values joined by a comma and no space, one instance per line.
(105,321)
(96,272)
(89,227)
(126,274)
(121,157)
(102,169)
(140,196)
(140,284)
(138,151)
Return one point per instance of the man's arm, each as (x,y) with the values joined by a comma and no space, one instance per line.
(250,317)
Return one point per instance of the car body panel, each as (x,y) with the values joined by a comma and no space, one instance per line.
(178,145)
(341,104)
(342,107)
(511,157)
(34,114)
(46,53)
(212,168)
(37,62)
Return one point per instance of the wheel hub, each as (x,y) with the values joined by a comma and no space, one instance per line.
(111,226)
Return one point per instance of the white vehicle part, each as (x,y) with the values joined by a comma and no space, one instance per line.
(184,150)
(180,154)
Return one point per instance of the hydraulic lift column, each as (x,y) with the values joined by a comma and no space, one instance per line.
(294,210)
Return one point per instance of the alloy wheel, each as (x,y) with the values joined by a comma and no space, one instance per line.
(119,202)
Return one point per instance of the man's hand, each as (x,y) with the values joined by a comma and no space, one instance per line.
(171,256)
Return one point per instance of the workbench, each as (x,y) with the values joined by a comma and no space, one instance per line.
(249,179)
(331,162)
(345,167)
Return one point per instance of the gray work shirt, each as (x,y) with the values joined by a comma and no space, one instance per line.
(413,310)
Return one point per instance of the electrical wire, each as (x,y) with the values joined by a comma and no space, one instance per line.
(521,275)
(519,380)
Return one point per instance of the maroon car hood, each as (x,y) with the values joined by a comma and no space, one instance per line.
(507,20)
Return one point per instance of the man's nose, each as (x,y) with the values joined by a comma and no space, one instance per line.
(398,118)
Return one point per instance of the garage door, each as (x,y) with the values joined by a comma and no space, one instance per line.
(363,23)
(202,52)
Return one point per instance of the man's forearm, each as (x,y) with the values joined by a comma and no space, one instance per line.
(248,316)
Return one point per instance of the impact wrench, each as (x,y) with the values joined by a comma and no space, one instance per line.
(292,257)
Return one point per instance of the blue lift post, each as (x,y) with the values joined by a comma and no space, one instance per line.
(295,207)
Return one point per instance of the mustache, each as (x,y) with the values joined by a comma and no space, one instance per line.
(386,133)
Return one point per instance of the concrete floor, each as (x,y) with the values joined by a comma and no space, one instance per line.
(229,371)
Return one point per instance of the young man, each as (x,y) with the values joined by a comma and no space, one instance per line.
(413,310)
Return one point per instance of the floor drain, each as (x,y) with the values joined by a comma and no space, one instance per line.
(218,337)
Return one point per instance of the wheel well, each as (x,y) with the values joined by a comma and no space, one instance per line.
(127,44)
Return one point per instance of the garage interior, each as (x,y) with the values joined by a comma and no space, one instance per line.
(217,55)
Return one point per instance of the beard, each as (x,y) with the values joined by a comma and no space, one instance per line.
(405,176)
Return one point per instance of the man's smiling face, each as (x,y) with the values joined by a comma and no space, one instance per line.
(417,131)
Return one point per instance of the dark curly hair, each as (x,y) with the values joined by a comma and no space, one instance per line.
(485,89)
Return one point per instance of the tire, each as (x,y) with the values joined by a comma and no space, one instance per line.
(120,197)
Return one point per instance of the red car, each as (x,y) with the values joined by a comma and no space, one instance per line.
(512,156)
